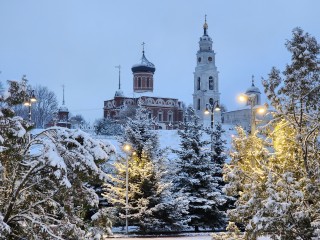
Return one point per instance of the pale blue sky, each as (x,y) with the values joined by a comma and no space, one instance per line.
(78,43)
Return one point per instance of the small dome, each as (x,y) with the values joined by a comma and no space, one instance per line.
(253,89)
(119,93)
(144,66)
(63,109)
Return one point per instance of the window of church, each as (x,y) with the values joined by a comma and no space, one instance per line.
(148,82)
(210,83)
(198,105)
(160,116)
(170,117)
(199,84)
(139,82)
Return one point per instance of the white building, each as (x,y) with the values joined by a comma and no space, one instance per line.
(206,81)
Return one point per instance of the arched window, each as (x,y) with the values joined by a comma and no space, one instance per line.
(198,105)
(160,116)
(148,82)
(170,116)
(139,82)
(199,84)
(210,83)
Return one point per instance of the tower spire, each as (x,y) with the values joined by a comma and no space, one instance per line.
(252,81)
(205,25)
(119,67)
(143,43)
(63,94)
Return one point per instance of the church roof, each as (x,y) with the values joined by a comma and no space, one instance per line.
(119,93)
(144,66)
(63,108)
(253,88)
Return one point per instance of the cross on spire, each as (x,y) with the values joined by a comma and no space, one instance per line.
(119,67)
(252,81)
(62,94)
(143,43)
(205,25)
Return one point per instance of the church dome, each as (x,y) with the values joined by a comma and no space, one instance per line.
(253,89)
(63,109)
(144,66)
(119,93)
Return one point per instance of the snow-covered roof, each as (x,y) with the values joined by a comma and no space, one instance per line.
(63,109)
(253,89)
(144,66)
(119,93)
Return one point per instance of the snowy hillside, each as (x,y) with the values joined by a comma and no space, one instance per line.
(170,139)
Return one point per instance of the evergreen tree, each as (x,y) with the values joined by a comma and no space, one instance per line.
(195,176)
(44,191)
(149,196)
(277,175)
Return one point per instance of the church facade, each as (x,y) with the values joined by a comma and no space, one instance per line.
(165,111)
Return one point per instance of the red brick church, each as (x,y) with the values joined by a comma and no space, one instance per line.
(167,112)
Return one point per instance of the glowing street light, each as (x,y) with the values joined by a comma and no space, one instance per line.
(251,98)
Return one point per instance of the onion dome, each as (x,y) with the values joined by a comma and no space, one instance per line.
(144,66)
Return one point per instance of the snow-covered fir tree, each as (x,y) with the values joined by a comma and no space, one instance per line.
(45,179)
(197,176)
(277,175)
(150,206)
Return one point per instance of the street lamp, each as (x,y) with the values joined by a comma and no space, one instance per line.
(30,99)
(210,109)
(251,98)
(127,148)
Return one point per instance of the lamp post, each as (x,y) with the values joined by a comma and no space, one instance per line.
(30,96)
(251,98)
(127,148)
(210,109)
(29,101)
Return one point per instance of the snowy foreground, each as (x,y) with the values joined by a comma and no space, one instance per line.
(197,237)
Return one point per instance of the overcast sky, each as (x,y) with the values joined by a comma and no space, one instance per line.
(78,44)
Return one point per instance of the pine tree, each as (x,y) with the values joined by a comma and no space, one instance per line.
(276,174)
(45,192)
(149,199)
(194,176)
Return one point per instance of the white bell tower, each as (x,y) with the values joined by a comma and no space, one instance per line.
(206,81)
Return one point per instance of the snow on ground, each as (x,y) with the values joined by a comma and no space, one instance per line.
(170,139)
(206,236)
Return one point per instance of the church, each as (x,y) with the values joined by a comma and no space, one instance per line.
(165,111)
(206,95)
(168,112)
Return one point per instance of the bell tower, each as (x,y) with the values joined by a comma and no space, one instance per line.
(206,81)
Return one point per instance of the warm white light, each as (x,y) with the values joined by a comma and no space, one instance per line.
(217,109)
(243,98)
(206,111)
(261,110)
(33,99)
(127,147)
(27,104)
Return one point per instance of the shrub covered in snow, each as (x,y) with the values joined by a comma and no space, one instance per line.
(45,180)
